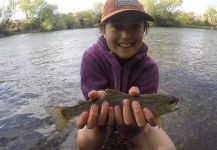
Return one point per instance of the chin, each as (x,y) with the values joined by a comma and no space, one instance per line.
(125,57)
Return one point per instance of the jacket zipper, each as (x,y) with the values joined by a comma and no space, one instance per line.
(124,79)
(121,78)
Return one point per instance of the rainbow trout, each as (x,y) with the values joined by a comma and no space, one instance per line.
(159,103)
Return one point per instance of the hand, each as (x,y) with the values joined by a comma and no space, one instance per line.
(95,117)
(133,114)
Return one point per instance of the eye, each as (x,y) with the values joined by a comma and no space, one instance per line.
(117,26)
(136,26)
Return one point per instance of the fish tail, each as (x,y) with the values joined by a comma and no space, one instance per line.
(57,112)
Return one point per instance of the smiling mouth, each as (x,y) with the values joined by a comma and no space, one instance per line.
(125,45)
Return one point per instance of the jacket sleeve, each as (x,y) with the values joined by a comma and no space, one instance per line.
(93,76)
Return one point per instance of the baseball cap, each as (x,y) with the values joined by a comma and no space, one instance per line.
(113,7)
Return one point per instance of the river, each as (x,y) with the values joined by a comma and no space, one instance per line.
(42,69)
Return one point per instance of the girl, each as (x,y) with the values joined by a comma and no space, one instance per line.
(119,60)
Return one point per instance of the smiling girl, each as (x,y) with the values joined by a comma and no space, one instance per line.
(119,60)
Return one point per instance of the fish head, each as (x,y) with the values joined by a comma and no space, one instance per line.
(167,103)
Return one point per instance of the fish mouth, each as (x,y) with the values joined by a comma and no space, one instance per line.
(175,108)
(174,101)
(174,105)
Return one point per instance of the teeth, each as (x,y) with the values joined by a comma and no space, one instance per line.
(125,45)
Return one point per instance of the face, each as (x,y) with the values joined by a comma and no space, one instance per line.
(124,34)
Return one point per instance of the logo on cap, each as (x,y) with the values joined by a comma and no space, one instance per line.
(119,3)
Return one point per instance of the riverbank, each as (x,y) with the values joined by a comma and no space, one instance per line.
(9,33)
(6,34)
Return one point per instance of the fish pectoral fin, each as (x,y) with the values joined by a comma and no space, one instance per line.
(158,121)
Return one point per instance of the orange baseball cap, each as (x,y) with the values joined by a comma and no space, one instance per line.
(113,7)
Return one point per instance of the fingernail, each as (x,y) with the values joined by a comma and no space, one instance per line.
(135,104)
(105,104)
(94,107)
(116,108)
(125,101)
(111,108)
(84,115)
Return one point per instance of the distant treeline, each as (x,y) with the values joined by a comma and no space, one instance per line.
(41,16)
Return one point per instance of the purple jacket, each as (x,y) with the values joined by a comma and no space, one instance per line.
(100,70)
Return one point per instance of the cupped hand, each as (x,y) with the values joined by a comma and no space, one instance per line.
(96,116)
(133,113)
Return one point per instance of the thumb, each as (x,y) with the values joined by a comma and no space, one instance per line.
(93,95)
(134,91)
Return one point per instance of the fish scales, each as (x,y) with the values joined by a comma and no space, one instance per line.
(159,103)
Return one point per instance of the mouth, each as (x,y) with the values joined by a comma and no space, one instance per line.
(125,45)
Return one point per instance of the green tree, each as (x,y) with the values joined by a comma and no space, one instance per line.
(31,7)
(29,25)
(211,15)
(150,6)
(97,11)
(86,18)
(39,15)
(67,21)
(189,19)
(161,7)
(47,16)
(6,12)
(185,18)
(164,11)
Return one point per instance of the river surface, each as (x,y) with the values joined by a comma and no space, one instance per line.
(42,69)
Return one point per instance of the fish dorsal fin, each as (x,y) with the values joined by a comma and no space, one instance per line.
(111,92)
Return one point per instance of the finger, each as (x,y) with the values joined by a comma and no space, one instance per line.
(118,115)
(103,113)
(139,115)
(111,117)
(134,91)
(82,120)
(150,117)
(93,95)
(127,115)
(92,116)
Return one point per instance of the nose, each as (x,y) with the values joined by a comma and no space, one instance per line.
(126,33)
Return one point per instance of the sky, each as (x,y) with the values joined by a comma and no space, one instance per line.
(65,6)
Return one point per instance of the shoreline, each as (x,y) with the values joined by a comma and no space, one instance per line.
(8,33)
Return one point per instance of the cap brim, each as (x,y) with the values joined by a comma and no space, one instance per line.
(146,16)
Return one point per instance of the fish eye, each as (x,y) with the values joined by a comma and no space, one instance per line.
(171,102)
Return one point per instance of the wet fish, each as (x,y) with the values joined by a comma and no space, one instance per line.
(159,103)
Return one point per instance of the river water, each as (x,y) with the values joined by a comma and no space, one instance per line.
(42,69)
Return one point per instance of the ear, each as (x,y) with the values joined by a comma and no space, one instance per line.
(102,31)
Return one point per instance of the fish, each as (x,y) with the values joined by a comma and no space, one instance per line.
(158,103)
